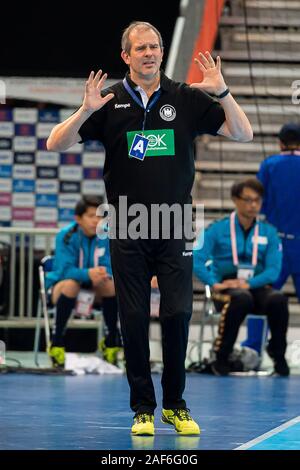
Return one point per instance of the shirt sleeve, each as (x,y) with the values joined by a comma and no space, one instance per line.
(105,259)
(262,176)
(66,261)
(92,128)
(208,113)
(273,262)
(203,253)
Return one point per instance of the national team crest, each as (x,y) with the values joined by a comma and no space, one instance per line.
(167,112)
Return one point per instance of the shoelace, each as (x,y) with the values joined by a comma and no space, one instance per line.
(183,414)
(143,418)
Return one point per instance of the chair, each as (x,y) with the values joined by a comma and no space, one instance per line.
(46,309)
(211,316)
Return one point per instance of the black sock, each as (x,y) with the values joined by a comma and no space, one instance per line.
(64,309)
(110,315)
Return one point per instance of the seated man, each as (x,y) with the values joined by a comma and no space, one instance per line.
(82,260)
(246,259)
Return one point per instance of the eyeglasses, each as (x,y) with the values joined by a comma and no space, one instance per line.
(251,200)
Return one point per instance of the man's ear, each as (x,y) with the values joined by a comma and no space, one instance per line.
(125,57)
(77,218)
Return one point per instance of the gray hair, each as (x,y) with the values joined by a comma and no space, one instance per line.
(143,25)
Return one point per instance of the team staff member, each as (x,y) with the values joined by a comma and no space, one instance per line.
(153,171)
(280,176)
(82,260)
(279,173)
(246,260)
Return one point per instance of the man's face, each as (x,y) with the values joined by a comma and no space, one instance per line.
(88,221)
(248,204)
(145,56)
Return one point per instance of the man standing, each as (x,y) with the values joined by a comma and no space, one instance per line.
(148,124)
(280,176)
(246,259)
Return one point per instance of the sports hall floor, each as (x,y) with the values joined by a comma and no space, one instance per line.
(91,412)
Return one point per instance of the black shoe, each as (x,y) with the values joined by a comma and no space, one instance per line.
(281,367)
(220,367)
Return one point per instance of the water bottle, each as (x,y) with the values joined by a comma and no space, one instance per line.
(2,353)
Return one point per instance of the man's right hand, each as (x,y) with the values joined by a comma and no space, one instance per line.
(93,101)
(98,275)
(219,286)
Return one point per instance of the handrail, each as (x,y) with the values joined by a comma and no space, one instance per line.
(23,245)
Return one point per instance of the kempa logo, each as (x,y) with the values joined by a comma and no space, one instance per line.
(124,106)
(167,112)
(187,253)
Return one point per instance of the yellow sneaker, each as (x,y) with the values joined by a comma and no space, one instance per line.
(181,420)
(57,356)
(143,424)
(109,354)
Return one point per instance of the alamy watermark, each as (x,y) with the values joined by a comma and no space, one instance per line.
(156,221)
(2,92)
(296,92)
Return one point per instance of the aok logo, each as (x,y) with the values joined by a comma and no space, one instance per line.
(157,141)
(160,141)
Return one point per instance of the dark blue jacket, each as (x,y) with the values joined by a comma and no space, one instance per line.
(280,175)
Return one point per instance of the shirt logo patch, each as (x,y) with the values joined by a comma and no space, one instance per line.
(187,253)
(167,112)
(261,240)
(122,105)
(160,142)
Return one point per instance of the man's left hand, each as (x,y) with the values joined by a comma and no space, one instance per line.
(236,284)
(213,81)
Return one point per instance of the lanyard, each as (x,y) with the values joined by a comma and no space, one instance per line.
(139,101)
(233,242)
(96,257)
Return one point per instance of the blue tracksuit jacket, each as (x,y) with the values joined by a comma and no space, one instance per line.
(68,245)
(217,248)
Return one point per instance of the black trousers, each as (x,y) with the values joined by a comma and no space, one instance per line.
(134,262)
(235,304)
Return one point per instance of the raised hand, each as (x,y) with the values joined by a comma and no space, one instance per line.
(93,101)
(213,81)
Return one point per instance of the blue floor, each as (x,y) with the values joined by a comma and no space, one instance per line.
(92,412)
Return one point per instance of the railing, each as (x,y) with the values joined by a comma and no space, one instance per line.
(24,243)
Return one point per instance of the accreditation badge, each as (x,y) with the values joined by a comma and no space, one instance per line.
(245,272)
(139,147)
(84,303)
